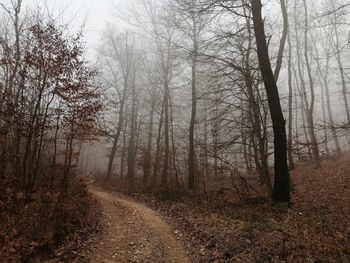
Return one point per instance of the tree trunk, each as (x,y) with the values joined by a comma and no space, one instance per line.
(302,89)
(283,40)
(133,127)
(329,108)
(164,176)
(174,168)
(290,107)
(191,152)
(122,158)
(156,160)
(323,106)
(148,153)
(281,191)
(255,118)
(310,113)
(117,134)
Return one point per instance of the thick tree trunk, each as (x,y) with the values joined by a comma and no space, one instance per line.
(281,191)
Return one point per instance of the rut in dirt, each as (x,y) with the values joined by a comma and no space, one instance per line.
(135,233)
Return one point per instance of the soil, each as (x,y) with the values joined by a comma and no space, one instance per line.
(135,233)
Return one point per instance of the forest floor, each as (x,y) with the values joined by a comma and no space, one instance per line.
(217,228)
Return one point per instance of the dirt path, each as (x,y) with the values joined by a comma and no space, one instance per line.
(135,233)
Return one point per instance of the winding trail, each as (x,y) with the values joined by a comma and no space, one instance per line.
(135,233)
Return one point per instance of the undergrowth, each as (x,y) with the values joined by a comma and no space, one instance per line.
(31,229)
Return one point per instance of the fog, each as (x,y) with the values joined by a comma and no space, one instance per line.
(180,80)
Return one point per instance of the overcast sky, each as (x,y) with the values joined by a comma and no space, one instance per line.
(95,14)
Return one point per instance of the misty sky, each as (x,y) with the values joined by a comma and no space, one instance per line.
(95,14)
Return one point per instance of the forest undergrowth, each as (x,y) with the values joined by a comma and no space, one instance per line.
(219,228)
(48,226)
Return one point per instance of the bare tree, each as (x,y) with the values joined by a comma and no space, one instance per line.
(281,191)
(121,51)
(310,112)
(191,21)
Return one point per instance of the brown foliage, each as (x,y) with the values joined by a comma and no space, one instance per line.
(36,227)
(314,229)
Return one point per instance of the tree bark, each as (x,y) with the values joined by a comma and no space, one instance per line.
(328,105)
(256,119)
(281,191)
(148,153)
(164,176)
(191,152)
(133,127)
(124,150)
(283,40)
(156,159)
(118,132)
(290,106)
(310,112)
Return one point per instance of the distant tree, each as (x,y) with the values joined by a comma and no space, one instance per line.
(119,52)
(191,21)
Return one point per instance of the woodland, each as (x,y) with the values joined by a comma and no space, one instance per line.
(197,131)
